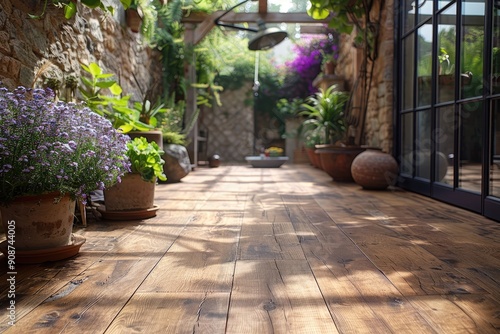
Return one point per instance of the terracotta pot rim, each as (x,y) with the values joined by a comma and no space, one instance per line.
(333,148)
(34,198)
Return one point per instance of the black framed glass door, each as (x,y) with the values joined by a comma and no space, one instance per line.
(448,114)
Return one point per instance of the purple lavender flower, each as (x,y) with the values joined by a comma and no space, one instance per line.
(47,146)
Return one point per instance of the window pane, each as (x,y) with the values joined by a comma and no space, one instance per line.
(446,47)
(444,137)
(407,144)
(409,15)
(495,149)
(471,146)
(496,52)
(424,67)
(423,144)
(472,49)
(424,8)
(408,72)
(442,3)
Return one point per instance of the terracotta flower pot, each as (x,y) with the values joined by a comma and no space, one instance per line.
(336,160)
(40,222)
(134,19)
(133,193)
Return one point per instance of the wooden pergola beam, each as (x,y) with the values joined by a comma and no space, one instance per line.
(204,22)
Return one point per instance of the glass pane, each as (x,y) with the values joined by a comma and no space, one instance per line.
(409,15)
(471,68)
(408,72)
(407,144)
(495,150)
(471,146)
(447,31)
(424,8)
(423,144)
(442,3)
(444,137)
(495,68)
(424,67)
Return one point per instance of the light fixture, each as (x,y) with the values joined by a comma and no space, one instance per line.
(265,38)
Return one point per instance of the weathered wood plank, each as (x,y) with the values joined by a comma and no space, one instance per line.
(201,259)
(180,313)
(458,314)
(90,302)
(278,296)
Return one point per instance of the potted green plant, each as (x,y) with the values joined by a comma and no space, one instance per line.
(325,112)
(141,17)
(112,106)
(133,197)
(52,153)
(328,62)
(150,114)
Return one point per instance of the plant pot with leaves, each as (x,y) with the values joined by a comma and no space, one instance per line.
(52,154)
(326,119)
(149,113)
(133,197)
(141,16)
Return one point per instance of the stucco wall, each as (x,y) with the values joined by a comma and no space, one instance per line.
(28,45)
(378,125)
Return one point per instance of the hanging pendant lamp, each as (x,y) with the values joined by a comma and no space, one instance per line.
(265,38)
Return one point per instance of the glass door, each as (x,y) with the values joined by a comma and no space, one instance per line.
(449,106)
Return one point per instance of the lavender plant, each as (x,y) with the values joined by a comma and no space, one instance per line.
(48,146)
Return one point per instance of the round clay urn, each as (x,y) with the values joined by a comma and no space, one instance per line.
(214,161)
(374,169)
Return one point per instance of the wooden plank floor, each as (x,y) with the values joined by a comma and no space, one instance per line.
(237,249)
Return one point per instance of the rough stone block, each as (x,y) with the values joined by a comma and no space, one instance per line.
(177,164)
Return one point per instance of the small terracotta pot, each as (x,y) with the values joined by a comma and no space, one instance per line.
(133,193)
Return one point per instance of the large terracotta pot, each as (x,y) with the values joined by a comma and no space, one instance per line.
(374,169)
(39,222)
(314,157)
(133,193)
(336,160)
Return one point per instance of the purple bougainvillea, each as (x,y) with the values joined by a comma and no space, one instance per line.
(305,67)
(48,146)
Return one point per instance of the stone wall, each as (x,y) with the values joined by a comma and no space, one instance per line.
(378,126)
(53,47)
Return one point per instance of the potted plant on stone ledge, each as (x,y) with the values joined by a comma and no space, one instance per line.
(52,154)
(133,197)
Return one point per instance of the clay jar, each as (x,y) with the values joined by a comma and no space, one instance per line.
(374,169)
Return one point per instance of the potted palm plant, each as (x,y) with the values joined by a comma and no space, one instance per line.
(326,120)
(52,154)
(133,197)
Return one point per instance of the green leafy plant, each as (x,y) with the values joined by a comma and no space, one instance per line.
(325,115)
(114,106)
(148,13)
(149,112)
(445,66)
(70,7)
(145,159)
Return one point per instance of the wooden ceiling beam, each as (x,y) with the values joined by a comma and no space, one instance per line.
(233,17)
(262,6)
(204,23)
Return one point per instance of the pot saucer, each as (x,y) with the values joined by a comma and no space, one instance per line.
(128,214)
(45,255)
